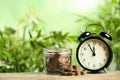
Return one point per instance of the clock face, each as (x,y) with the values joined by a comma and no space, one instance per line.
(94,54)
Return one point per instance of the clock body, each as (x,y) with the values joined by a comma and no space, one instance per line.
(94,54)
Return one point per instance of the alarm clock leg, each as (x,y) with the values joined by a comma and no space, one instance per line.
(105,70)
(83,70)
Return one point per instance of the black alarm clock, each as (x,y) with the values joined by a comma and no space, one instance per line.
(93,53)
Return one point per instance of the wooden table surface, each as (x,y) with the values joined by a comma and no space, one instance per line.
(115,75)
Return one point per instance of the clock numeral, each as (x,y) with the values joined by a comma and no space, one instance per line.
(100,64)
(106,54)
(104,48)
(82,54)
(85,48)
(94,65)
(84,59)
(104,60)
(94,43)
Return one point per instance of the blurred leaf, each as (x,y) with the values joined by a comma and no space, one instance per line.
(117,29)
(41,44)
(40,20)
(31,41)
(7,54)
(38,34)
(30,34)
(65,35)
(9,31)
(21,20)
(116,45)
(114,1)
(0,33)
(34,25)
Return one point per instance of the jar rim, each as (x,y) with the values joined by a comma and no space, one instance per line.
(57,50)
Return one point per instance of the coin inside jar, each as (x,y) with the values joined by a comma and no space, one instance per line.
(63,59)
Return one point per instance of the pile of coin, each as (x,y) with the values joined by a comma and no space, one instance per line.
(74,71)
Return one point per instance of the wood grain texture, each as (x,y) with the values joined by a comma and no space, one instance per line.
(115,75)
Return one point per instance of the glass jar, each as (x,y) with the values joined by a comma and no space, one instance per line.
(55,60)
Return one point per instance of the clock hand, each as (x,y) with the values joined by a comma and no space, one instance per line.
(91,50)
(90,47)
(94,50)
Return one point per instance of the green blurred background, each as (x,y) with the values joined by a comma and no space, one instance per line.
(57,14)
(28,26)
